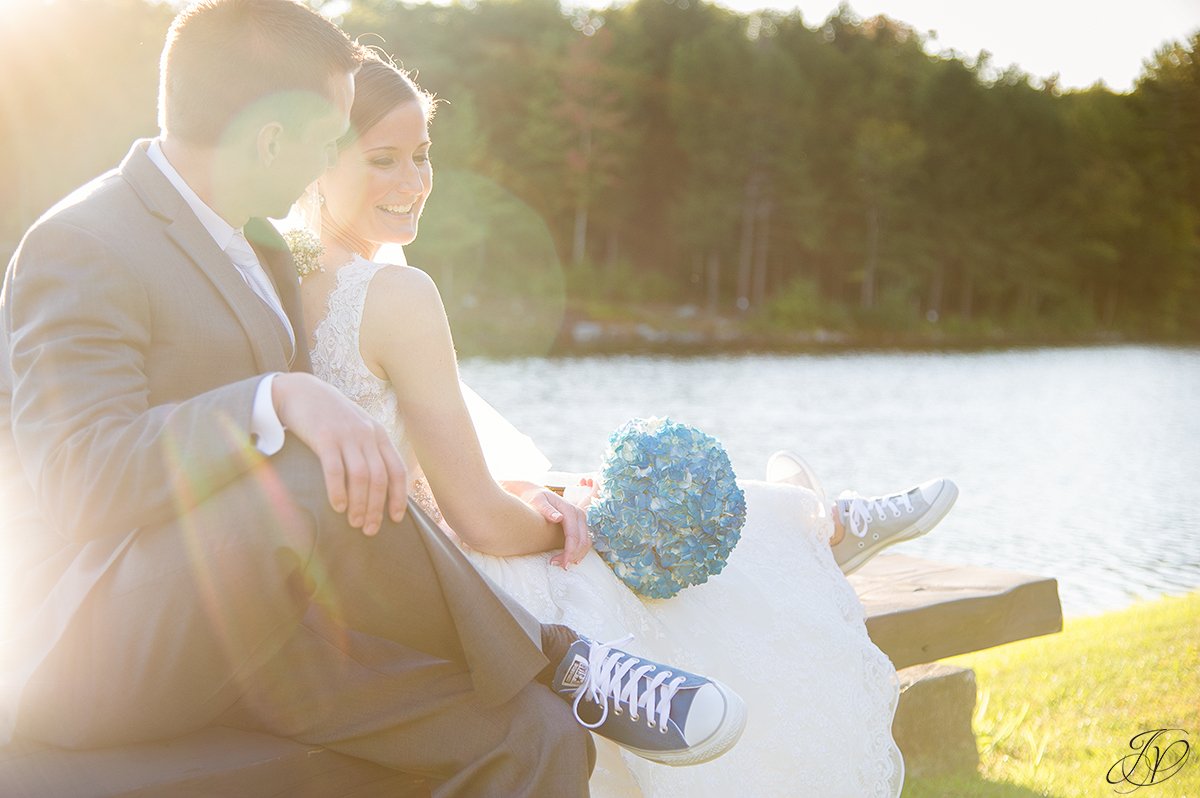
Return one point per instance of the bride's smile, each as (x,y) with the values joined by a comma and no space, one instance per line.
(375,192)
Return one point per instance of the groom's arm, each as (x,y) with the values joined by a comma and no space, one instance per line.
(99,457)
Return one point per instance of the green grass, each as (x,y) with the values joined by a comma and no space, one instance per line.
(1055,713)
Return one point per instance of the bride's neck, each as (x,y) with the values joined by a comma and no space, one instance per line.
(341,244)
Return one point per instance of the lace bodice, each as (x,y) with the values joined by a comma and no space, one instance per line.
(337,359)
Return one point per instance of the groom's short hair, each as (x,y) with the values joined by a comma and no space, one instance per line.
(223,56)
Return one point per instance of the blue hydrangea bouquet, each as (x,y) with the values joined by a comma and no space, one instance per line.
(668,511)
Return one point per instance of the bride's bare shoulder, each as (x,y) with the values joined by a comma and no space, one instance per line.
(401,300)
(394,275)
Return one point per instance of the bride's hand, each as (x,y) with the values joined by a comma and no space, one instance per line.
(577,537)
(586,492)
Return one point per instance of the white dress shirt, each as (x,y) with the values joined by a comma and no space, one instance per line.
(265,427)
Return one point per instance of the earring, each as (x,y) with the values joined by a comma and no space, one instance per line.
(320,199)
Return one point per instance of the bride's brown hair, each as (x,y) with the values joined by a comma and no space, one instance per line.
(379,87)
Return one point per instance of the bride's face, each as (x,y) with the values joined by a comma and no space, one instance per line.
(379,185)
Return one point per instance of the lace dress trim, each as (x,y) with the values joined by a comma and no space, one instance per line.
(423,496)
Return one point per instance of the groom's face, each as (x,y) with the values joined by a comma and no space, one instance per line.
(303,154)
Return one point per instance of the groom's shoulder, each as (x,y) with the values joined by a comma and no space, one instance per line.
(104,212)
(108,202)
(91,206)
(92,226)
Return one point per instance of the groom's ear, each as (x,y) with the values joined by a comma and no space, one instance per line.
(268,142)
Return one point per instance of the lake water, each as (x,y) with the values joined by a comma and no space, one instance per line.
(1078,463)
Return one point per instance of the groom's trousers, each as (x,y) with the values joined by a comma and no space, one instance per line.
(262,608)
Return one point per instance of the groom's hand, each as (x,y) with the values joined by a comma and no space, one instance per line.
(363,470)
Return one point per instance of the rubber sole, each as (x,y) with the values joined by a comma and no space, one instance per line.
(720,741)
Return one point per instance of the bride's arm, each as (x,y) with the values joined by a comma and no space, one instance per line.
(405,339)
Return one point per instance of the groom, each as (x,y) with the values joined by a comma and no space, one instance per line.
(201,532)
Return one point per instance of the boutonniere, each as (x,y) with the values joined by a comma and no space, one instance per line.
(306,251)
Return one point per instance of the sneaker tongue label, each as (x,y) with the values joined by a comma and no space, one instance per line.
(576,672)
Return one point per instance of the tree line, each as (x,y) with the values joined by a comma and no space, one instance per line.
(671,152)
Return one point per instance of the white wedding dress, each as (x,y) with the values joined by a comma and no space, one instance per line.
(780,625)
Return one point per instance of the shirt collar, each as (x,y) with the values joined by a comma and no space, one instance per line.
(221,231)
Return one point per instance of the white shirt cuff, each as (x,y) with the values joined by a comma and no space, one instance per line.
(266,430)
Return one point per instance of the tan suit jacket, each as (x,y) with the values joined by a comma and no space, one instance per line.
(130,352)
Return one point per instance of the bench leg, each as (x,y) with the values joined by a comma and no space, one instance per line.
(932,726)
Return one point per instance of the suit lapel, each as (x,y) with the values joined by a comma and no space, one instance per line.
(276,259)
(189,235)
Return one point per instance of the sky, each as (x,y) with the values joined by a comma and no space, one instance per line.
(1082,40)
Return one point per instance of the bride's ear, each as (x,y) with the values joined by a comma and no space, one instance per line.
(267,142)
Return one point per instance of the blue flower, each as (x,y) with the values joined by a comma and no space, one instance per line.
(669,510)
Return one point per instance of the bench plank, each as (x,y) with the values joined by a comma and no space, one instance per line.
(919,611)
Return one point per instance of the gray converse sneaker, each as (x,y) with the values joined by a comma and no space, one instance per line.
(873,524)
(660,713)
(790,468)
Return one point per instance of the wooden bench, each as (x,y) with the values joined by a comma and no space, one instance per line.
(917,612)
(920,611)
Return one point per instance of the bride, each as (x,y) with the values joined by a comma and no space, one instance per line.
(780,625)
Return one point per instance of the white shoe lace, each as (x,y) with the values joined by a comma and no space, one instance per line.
(858,512)
(616,675)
